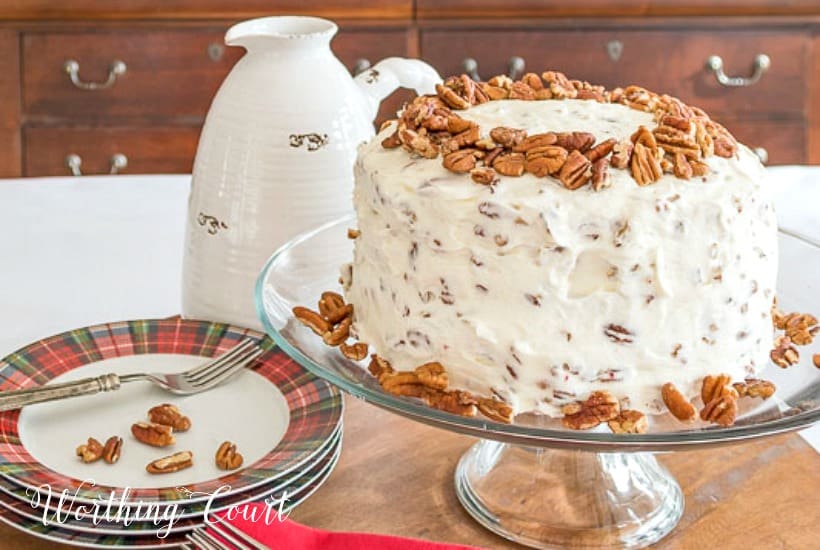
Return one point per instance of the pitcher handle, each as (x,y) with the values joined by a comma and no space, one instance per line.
(384,77)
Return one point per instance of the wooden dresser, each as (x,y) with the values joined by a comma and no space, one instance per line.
(124,85)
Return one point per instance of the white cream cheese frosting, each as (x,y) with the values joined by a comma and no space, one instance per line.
(539,295)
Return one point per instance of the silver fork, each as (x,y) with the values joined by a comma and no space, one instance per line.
(202,538)
(195,380)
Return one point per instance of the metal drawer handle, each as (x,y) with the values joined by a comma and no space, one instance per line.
(762,154)
(761,64)
(116,69)
(515,67)
(360,66)
(117,162)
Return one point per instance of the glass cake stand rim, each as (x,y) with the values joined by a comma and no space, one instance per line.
(514,433)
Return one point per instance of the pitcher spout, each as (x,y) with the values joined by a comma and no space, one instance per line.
(263,32)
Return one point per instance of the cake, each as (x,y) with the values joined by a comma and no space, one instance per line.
(548,243)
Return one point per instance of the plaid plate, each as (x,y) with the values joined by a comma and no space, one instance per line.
(19,500)
(315,406)
(173,540)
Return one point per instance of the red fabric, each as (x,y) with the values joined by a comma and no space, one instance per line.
(289,535)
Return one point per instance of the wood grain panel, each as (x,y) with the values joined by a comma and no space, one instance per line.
(201,9)
(9,103)
(646,60)
(786,142)
(814,103)
(432,9)
(149,150)
(170,76)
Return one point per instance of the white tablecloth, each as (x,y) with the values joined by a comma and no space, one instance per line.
(87,250)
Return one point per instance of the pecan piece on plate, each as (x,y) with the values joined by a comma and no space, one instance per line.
(331,301)
(754,387)
(355,352)
(90,451)
(339,334)
(495,409)
(721,410)
(716,386)
(112,449)
(676,402)
(311,319)
(784,353)
(629,422)
(456,402)
(600,406)
(227,458)
(379,366)
(169,415)
(156,435)
(432,375)
(576,171)
(172,463)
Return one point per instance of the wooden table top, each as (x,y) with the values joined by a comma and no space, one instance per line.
(395,476)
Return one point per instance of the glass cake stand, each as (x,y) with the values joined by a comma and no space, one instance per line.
(533,481)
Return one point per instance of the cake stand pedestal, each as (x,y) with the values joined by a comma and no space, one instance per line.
(534,481)
(552,498)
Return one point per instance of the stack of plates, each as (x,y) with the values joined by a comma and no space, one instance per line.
(286,422)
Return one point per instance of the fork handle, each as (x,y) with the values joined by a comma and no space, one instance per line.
(87,386)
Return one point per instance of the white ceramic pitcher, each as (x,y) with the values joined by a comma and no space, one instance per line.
(276,155)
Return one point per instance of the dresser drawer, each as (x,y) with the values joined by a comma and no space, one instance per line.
(170,74)
(668,61)
(167,150)
(784,142)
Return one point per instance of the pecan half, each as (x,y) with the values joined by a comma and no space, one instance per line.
(465,138)
(495,409)
(601,150)
(494,92)
(676,402)
(339,334)
(645,166)
(544,161)
(600,406)
(715,386)
(353,233)
(112,449)
(576,171)
(520,90)
(621,153)
(754,387)
(172,463)
(509,164)
(156,435)
(721,410)
(533,81)
(311,319)
(600,174)
(784,353)
(451,98)
(330,302)
(90,451)
(432,375)
(169,415)
(227,458)
(815,359)
(572,141)
(355,352)
(629,422)
(460,161)
(559,85)
(508,137)
(535,141)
